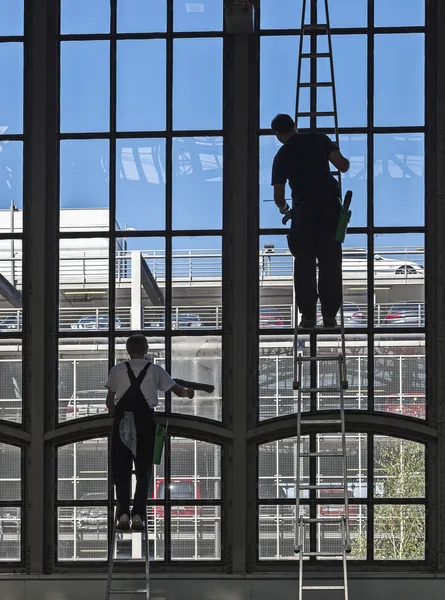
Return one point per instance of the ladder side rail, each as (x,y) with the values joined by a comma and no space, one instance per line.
(110,561)
(300,53)
(344,459)
(147,561)
(298,541)
(345,567)
(300,562)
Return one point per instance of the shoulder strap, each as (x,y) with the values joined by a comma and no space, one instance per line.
(136,382)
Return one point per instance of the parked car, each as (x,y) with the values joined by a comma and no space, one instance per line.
(86,403)
(92,518)
(9,521)
(356,261)
(95,322)
(11,323)
(337,510)
(349,310)
(411,405)
(270,317)
(180,489)
(406,314)
(180,321)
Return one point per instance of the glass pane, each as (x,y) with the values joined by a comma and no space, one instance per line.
(348,13)
(330,470)
(276,270)
(197,183)
(399,13)
(83,284)
(399,532)
(329,537)
(399,280)
(10,371)
(83,16)
(85,86)
(354,147)
(195,472)
(11,186)
(197,89)
(276,526)
(356,396)
(399,468)
(141,16)
(278,76)
(11,468)
(11,271)
(277,468)
(198,359)
(206,15)
(83,373)
(196,533)
(141,85)
(84,185)
(11,17)
(400,368)
(10,533)
(140,283)
(82,472)
(140,184)
(285,14)
(11,98)
(399,80)
(82,533)
(156,355)
(197,283)
(399,179)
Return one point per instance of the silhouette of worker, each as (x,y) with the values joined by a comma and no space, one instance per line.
(303,161)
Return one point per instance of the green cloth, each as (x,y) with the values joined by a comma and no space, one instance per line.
(344,216)
(159,444)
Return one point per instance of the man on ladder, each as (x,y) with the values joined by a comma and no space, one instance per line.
(303,161)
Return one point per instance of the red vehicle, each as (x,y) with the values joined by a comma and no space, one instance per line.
(410,404)
(181,488)
(337,510)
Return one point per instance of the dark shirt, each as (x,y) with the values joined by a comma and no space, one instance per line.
(303,162)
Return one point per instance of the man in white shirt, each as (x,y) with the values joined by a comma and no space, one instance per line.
(132,396)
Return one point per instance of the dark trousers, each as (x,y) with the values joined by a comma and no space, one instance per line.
(121,468)
(311,240)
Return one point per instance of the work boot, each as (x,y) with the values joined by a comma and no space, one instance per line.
(137,523)
(331,323)
(123,523)
(307,323)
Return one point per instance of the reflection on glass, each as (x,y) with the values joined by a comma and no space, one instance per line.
(197,75)
(10,371)
(140,183)
(277,92)
(276,525)
(204,15)
(399,468)
(277,468)
(196,533)
(10,479)
(156,355)
(11,186)
(85,86)
(11,17)
(139,16)
(198,359)
(400,373)
(83,284)
(83,16)
(11,98)
(329,537)
(197,183)
(399,80)
(399,532)
(350,68)
(399,179)
(83,372)
(141,84)
(354,147)
(84,184)
(82,533)
(11,529)
(140,283)
(399,13)
(197,265)
(82,471)
(195,471)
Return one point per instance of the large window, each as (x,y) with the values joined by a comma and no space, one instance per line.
(379,72)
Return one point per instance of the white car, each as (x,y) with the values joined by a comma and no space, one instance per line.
(356,261)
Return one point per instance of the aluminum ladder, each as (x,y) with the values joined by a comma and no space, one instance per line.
(139,546)
(316,32)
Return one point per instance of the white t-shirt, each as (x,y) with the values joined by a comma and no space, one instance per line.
(156,379)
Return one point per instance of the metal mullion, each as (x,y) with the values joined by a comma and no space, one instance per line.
(345,31)
(13,137)
(370,485)
(400,501)
(112,187)
(360,130)
(141,134)
(155,35)
(4,39)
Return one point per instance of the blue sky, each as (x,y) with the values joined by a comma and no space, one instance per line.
(197,105)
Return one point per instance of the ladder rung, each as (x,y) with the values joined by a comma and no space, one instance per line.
(321,486)
(315,27)
(319,358)
(323,390)
(320,454)
(315,55)
(316,114)
(323,520)
(139,591)
(309,84)
(320,422)
(322,554)
(323,587)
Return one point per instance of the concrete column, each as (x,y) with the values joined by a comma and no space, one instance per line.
(136,290)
